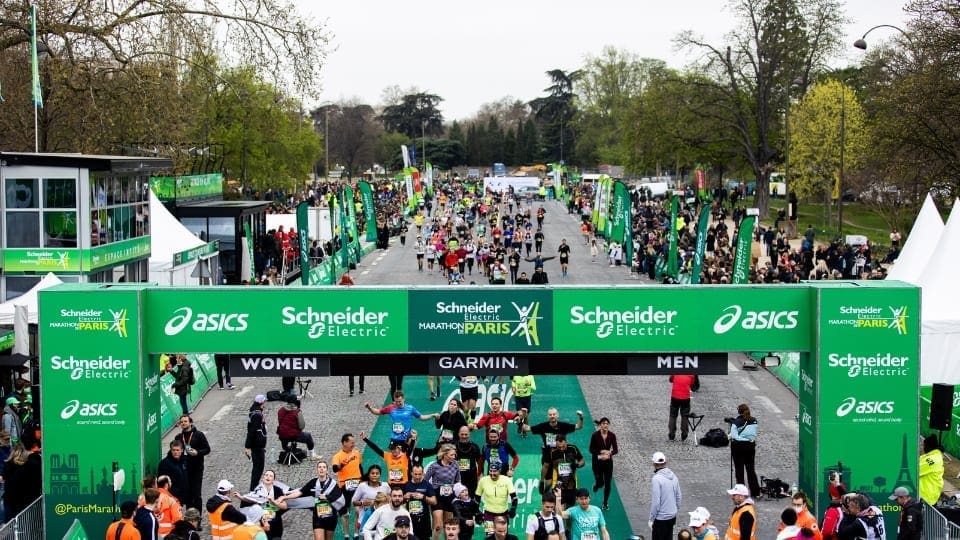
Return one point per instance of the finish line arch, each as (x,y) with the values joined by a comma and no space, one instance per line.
(858,381)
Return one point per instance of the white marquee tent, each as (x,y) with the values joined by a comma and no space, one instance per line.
(28,299)
(920,245)
(940,333)
(167,237)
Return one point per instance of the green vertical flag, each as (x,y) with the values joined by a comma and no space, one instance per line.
(620,201)
(249,235)
(35,64)
(303,234)
(369,210)
(659,268)
(351,210)
(702,225)
(672,269)
(331,256)
(628,233)
(342,215)
(741,259)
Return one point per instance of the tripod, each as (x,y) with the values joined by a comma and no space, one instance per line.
(303,386)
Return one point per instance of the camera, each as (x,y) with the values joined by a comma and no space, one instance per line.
(729,419)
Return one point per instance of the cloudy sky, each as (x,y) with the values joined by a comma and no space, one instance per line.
(471,53)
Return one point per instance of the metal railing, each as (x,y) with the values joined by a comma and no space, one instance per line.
(25,525)
(936,526)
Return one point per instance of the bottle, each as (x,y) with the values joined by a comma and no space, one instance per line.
(794,489)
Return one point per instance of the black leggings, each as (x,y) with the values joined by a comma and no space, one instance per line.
(603,476)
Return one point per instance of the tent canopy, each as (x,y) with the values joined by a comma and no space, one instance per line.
(28,299)
(920,245)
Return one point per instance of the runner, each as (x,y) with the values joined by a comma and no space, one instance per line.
(348,464)
(497,419)
(419,248)
(443,474)
(496,452)
(564,254)
(548,432)
(401,416)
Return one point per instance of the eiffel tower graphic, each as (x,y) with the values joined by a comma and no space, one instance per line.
(904,478)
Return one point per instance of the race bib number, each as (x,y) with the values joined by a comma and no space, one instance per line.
(387,531)
(470,379)
(495,462)
(564,469)
(496,427)
(398,427)
(488,527)
(446,435)
(588,536)
(415,506)
(446,490)
(269,511)
(324,509)
(351,485)
(464,464)
(394,475)
(551,439)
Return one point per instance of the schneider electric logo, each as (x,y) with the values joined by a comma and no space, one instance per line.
(864,411)
(91,413)
(92,368)
(893,318)
(205,322)
(636,322)
(754,320)
(349,322)
(878,365)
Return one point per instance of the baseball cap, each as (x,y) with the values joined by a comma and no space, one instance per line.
(260,398)
(224,485)
(703,512)
(254,514)
(401,520)
(696,520)
(739,489)
(659,458)
(899,492)
(12,400)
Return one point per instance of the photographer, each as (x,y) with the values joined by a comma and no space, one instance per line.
(743,447)
(860,519)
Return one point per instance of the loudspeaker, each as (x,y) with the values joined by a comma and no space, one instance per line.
(941,407)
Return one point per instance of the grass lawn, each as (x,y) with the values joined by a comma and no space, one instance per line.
(857,218)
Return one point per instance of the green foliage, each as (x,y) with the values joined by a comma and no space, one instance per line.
(387,151)
(415,115)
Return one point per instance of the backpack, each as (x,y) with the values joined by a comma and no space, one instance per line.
(715,438)
(192,380)
(541,532)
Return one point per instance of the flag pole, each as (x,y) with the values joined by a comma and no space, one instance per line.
(35,78)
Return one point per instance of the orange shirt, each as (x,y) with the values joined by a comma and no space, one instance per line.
(348,467)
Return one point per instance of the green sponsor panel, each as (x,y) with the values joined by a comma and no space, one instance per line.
(151,414)
(200,252)
(245,319)
(657,319)
(485,320)
(7,339)
(789,369)
(116,253)
(41,260)
(193,186)
(809,430)
(868,373)
(93,415)
(561,391)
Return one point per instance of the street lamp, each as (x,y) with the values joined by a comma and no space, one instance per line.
(843,126)
(862,42)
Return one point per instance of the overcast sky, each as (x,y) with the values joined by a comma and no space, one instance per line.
(471,53)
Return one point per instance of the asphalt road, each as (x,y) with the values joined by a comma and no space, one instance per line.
(637,406)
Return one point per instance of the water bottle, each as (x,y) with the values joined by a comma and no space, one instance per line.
(794,489)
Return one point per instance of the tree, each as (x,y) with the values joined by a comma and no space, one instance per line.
(387,150)
(778,42)
(415,116)
(556,112)
(828,112)
(353,133)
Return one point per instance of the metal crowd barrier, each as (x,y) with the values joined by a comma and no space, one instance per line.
(25,525)
(936,526)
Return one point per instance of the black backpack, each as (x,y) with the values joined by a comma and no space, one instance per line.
(541,532)
(715,438)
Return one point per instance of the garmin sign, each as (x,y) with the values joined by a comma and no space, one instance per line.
(279,366)
(490,364)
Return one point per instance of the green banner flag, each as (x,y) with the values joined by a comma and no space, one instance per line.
(702,225)
(248,234)
(659,268)
(369,210)
(741,259)
(342,215)
(303,234)
(628,233)
(351,210)
(37,91)
(620,206)
(331,256)
(672,255)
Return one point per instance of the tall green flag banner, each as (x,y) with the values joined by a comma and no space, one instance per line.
(620,205)
(303,234)
(628,232)
(595,211)
(342,215)
(351,210)
(369,210)
(248,235)
(741,259)
(672,269)
(862,385)
(331,257)
(34,62)
(101,404)
(702,224)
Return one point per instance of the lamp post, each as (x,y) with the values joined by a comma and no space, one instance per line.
(843,129)
(862,42)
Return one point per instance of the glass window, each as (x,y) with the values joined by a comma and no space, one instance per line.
(222,228)
(23,229)
(18,285)
(196,225)
(60,228)
(59,193)
(22,193)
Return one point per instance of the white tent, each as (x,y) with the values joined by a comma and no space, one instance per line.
(940,333)
(167,237)
(920,245)
(28,299)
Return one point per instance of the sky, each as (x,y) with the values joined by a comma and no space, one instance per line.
(472,53)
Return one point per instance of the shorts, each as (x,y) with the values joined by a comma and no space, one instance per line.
(568,497)
(444,503)
(419,256)
(328,523)
(347,500)
(469,393)
(545,455)
(522,402)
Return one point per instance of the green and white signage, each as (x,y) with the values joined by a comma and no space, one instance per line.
(74,259)
(200,252)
